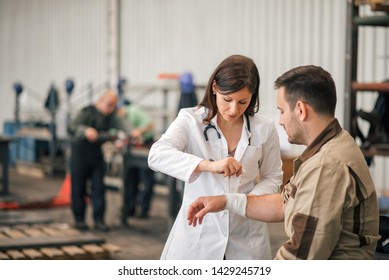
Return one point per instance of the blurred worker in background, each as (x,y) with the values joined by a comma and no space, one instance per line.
(188,96)
(142,135)
(89,130)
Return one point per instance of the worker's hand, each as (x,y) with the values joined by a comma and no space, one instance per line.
(203,205)
(227,167)
(136,136)
(91,134)
(136,133)
(119,145)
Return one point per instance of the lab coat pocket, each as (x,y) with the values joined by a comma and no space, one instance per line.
(258,234)
(193,236)
(251,162)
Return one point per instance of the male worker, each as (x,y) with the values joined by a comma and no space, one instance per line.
(329,207)
(142,133)
(89,129)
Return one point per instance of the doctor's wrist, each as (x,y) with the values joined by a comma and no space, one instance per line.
(236,203)
(203,166)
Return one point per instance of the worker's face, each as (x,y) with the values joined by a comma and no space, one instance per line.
(107,104)
(232,106)
(289,119)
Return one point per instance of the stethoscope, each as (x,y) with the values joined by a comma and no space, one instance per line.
(212,126)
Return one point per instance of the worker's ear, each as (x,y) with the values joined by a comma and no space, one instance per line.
(301,110)
(214,89)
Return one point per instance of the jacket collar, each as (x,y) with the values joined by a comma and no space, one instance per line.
(327,134)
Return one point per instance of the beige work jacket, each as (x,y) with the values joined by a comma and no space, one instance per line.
(331,208)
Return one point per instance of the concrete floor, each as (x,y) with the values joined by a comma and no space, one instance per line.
(143,239)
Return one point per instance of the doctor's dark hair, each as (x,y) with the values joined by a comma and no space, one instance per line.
(233,74)
(310,84)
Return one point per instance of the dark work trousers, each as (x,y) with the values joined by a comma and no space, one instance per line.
(134,195)
(82,169)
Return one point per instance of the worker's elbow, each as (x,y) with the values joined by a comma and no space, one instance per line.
(280,216)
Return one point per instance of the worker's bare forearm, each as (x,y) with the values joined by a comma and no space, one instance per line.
(265,208)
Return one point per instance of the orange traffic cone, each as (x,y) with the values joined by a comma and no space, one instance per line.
(62,199)
(64,196)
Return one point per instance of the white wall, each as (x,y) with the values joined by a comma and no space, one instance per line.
(51,40)
(45,41)
(178,36)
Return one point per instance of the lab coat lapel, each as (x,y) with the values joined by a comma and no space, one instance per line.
(215,144)
(244,141)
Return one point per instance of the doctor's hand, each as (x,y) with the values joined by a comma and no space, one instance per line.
(203,205)
(227,167)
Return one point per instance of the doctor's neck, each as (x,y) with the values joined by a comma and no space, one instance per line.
(230,122)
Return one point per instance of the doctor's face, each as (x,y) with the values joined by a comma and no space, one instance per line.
(232,106)
(288,119)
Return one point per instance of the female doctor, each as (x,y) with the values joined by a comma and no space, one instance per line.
(221,146)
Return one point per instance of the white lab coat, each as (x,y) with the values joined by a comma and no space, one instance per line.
(179,151)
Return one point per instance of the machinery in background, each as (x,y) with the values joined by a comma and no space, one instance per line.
(38,148)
